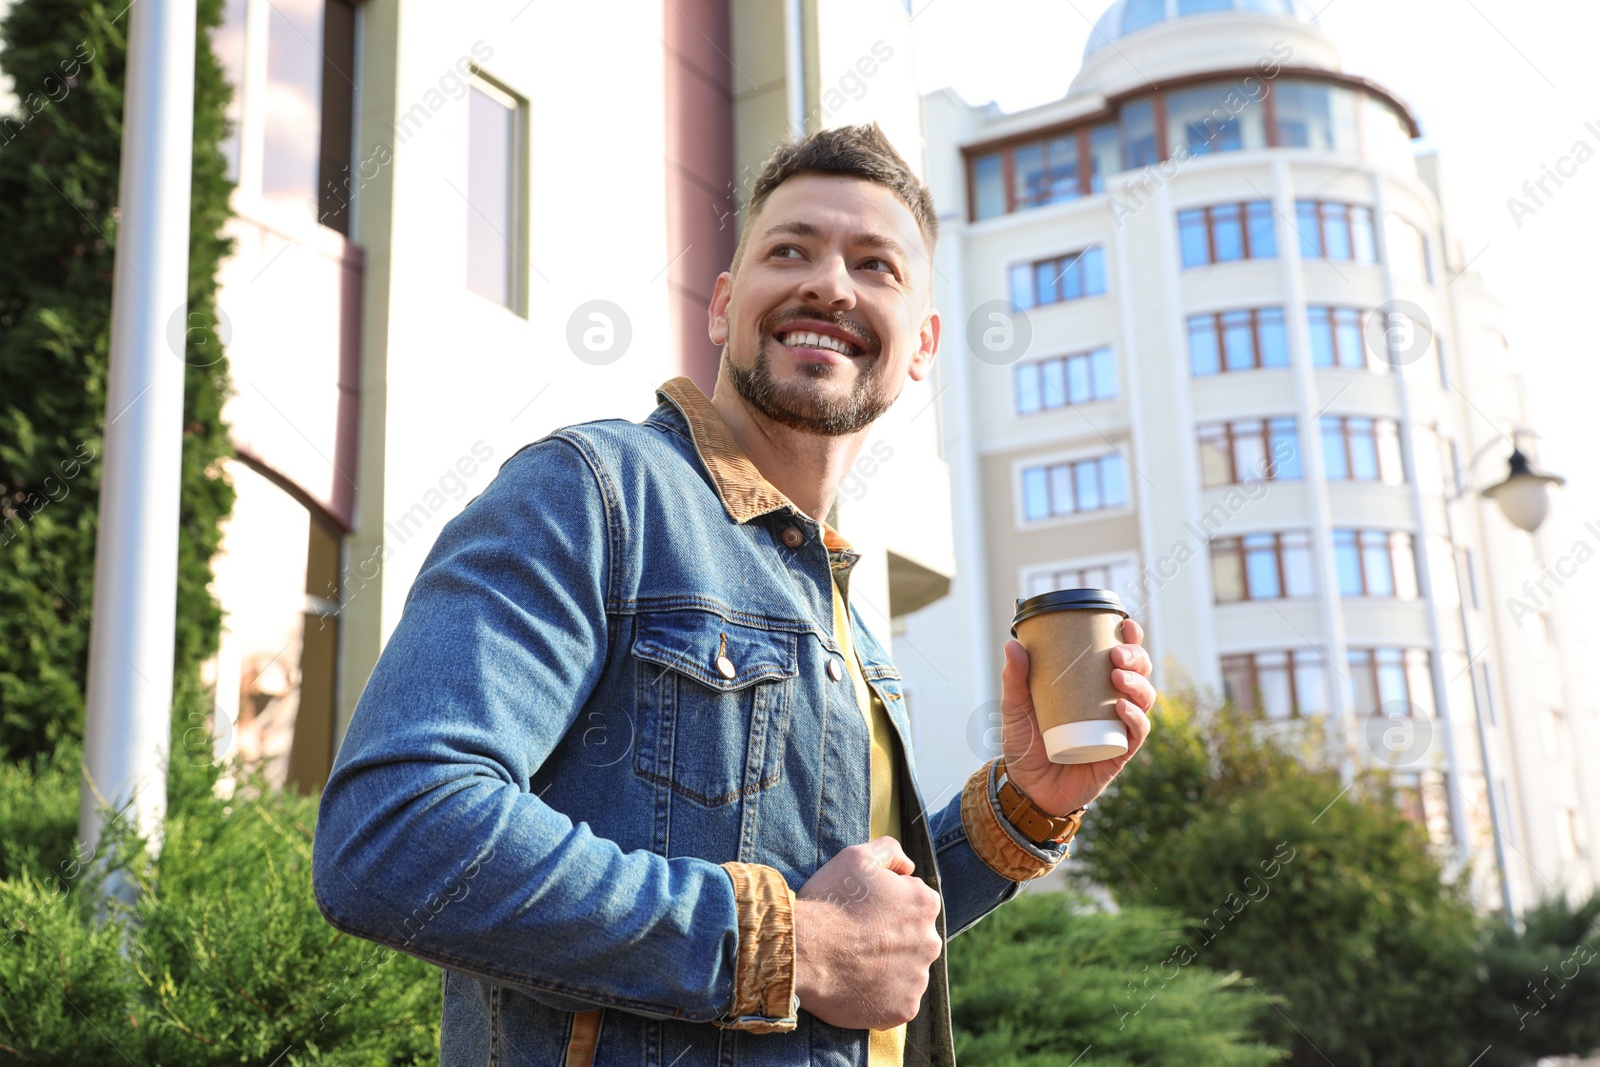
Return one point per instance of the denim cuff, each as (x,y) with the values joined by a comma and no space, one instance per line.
(994,839)
(763,977)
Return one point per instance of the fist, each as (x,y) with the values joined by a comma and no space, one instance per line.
(865,934)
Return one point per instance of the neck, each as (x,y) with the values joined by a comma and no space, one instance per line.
(804,467)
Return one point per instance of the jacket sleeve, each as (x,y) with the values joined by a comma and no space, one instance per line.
(430,838)
(982,859)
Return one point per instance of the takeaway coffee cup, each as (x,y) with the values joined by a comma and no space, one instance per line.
(1069,635)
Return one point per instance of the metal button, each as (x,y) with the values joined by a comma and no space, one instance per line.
(835,669)
(793,537)
(726,668)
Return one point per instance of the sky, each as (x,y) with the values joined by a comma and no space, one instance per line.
(1501,89)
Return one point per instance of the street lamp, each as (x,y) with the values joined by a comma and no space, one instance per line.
(1524,498)
(1525,494)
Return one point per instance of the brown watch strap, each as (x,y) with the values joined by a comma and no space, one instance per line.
(1034,824)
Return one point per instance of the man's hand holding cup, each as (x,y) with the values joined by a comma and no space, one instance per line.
(1088,664)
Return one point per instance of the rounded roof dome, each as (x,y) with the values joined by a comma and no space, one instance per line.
(1129,16)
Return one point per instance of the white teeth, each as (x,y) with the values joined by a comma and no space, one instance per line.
(817,340)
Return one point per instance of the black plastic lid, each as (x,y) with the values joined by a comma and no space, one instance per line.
(1067,600)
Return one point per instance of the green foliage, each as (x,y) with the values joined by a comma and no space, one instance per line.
(1327,896)
(1539,990)
(1039,983)
(60,150)
(226,960)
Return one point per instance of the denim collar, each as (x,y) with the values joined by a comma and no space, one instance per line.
(745,493)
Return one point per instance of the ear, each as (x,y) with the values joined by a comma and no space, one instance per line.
(717,313)
(928,347)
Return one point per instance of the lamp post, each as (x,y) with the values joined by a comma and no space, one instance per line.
(1524,499)
(127,720)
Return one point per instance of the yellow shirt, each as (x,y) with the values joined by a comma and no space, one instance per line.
(885,1048)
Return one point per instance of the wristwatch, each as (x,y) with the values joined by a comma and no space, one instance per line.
(1032,823)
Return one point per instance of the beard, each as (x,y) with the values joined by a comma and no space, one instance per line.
(802,405)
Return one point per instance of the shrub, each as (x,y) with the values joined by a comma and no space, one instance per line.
(1326,895)
(1538,991)
(1043,980)
(223,959)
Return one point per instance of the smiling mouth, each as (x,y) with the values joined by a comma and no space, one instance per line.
(823,341)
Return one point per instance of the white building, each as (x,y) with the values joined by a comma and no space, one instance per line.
(1211,342)
(462,226)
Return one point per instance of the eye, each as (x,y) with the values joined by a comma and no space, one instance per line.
(886,266)
(780,249)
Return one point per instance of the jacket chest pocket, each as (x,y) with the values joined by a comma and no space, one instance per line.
(713,703)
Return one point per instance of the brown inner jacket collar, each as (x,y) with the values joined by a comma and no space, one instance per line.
(744,491)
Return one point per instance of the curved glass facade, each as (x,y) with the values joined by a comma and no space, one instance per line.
(1203,118)
(1130,16)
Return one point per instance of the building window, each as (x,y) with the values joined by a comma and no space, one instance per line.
(1105,154)
(1390,681)
(1237,340)
(1139,145)
(1572,838)
(1214,117)
(1444,583)
(1266,566)
(1426,453)
(1053,281)
(1276,685)
(1333,231)
(1407,249)
(1375,563)
(1066,380)
(494,183)
(1357,449)
(1114,576)
(1337,340)
(1046,172)
(1070,488)
(290,131)
(988,185)
(1316,115)
(1223,233)
(1249,449)
(1424,798)
(1226,115)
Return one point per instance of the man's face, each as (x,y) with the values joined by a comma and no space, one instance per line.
(831,262)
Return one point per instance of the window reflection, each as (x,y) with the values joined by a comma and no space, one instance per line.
(1105,157)
(491,196)
(1141,13)
(1316,115)
(1138,134)
(1220,117)
(228,42)
(293,133)
(988,175)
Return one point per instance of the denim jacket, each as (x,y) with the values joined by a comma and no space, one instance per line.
(602,749)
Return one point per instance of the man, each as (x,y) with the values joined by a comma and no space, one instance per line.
(630,769)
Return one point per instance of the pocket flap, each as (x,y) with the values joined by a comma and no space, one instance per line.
(716,653)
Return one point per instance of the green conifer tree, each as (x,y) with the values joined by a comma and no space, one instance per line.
(60,150)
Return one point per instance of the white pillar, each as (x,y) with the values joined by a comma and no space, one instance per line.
(128,721)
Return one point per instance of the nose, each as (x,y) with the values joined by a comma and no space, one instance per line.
(828,284)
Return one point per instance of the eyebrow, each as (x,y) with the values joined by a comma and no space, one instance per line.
(865,238)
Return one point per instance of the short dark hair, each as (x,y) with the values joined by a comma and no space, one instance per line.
(854,152)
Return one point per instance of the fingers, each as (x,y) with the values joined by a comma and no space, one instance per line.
(1137,722)
(1015,697)
(887,853)
(1133,658)
(1132,632)
(1137,687)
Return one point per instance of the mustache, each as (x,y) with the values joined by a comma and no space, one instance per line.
(864,338)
